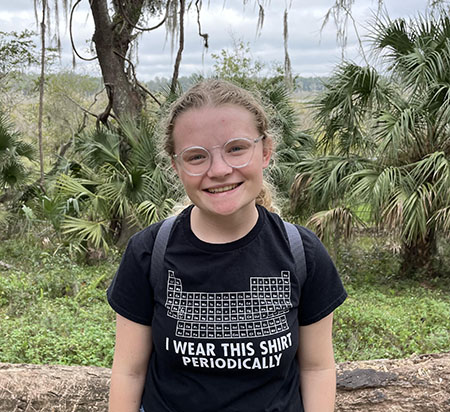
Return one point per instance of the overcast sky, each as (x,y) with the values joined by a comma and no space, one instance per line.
(311,54)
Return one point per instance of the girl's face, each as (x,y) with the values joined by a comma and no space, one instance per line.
(222,190)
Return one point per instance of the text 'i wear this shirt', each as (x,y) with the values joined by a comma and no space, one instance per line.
(225,317)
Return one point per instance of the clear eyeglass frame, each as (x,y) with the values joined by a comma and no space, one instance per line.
(207,164)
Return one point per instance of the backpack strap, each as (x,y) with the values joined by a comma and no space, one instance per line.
(159,247)
(297,250)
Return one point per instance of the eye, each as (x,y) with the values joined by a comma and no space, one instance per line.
(195,156)
(237,147)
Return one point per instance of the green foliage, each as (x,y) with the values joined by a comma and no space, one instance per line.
(13,152)
(236,64)
(118,179)
(59,332)
(387,316)
(384,138)
(54,310)
(17,49)
(374,327)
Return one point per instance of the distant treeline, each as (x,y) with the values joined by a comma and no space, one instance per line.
(27,83)
(302,84)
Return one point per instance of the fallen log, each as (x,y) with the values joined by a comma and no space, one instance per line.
(53,388)
(420,383)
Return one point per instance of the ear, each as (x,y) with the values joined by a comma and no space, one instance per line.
(174,166)
(267,153)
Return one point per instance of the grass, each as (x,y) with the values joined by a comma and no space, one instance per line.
(53,309)
(387,316)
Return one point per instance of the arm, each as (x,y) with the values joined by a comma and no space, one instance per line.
(131,355)
(317,367)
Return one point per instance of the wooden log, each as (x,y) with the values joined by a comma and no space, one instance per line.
(53,388)
(420,383)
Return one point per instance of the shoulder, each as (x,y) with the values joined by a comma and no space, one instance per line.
(311,243)
(316,255)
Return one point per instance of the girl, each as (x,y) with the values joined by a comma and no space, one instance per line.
(227,325)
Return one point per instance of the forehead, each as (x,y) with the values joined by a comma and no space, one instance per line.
(213,124)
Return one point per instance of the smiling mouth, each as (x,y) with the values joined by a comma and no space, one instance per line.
(223,188)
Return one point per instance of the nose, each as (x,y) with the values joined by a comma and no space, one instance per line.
(218,167)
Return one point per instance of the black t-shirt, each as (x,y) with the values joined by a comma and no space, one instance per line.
(224,317)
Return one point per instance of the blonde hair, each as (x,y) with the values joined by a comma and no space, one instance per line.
(214,93)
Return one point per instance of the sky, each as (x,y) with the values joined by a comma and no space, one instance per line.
(312,52)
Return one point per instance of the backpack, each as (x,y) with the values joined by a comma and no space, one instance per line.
(162,238)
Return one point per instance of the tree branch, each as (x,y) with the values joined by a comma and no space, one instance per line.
(149,93)
(176,68)
(361,48)
(127,19)
(71,35)
(133,70)
(205,36)
(86,111)
(103,117)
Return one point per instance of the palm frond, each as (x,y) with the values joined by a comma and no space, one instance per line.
(441,220)
(75,187)
(343,110)
(100,146)
(92,232)
(335,222)
(416,213)
(396,132)
(321,181)
(150,212)
(391,37)
(391,213)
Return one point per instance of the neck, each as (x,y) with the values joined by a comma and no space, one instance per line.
(222,229)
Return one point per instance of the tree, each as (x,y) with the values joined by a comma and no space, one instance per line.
(237,64)
(15,49)
(385,139)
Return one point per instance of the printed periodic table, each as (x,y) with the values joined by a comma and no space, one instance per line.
(257,312)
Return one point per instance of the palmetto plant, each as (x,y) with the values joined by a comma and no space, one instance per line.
(119,184)
(13,152)
(385,138)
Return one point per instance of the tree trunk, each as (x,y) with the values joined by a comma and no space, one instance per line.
(287,60)
(420,383)
(41,95)
(176,68)
(112,38)
(418,256)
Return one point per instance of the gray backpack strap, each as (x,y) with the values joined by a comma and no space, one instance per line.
(296,243)
(159,248)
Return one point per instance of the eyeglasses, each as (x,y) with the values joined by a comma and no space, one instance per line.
(236,153)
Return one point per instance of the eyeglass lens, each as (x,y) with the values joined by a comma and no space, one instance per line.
(236,153)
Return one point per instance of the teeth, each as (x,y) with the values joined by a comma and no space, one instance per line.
(222,189)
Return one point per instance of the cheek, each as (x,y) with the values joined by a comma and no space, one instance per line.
(189,182)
